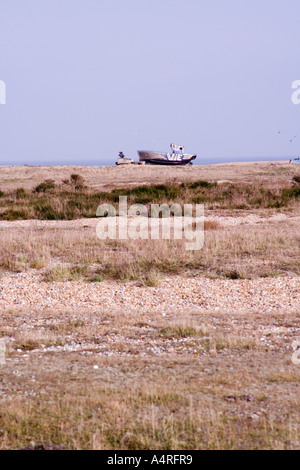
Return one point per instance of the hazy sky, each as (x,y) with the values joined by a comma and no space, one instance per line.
(86,79)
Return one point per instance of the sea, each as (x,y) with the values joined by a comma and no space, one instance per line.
(111,162)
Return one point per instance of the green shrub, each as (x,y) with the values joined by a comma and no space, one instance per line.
(12,214)
(77,181)
(21,193)
(202,184)
(44,211)
(45,186)
(147,194)
(291,192)
(296,179)
(200,199)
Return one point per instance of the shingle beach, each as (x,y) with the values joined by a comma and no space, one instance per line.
(173,294)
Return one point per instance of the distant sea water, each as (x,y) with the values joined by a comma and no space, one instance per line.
(111,162)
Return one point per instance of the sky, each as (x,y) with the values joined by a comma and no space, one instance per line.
(86,79)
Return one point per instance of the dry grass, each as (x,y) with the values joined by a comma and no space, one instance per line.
(74,252)
(28,177)
(206,389)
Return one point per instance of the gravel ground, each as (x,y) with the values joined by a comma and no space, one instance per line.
(174,293)
(27,289)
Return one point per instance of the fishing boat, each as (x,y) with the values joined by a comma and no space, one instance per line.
(175,157)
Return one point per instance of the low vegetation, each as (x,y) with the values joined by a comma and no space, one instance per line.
(72,253)
(71,199)
(184,382)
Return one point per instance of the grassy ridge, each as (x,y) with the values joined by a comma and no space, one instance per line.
(70,199)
